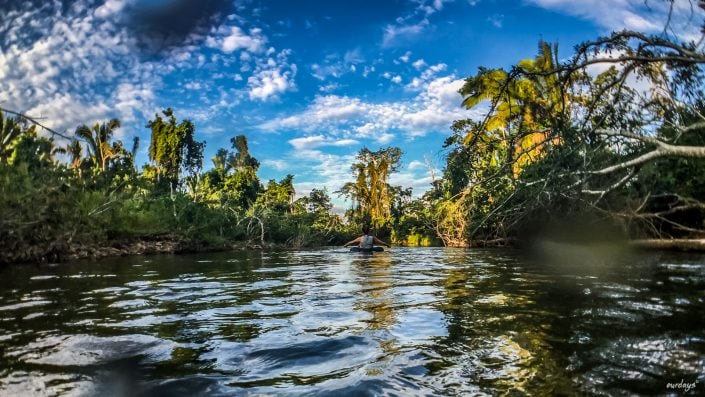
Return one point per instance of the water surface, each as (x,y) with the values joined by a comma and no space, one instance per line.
(428,321)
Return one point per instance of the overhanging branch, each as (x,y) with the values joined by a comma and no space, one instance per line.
(34,121)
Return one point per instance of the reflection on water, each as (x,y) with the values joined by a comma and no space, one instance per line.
(425,321)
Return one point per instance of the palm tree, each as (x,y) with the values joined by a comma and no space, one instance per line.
(98,138)
(370,193)
(75,150)
(524,106)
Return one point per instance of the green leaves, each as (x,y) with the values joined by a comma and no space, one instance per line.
(173,147)
(370,193)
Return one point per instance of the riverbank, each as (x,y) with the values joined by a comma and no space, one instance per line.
(164,244)
(176,245)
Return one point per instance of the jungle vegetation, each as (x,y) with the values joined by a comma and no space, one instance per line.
(612,135)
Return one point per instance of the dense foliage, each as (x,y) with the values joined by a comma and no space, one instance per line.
(56,201)
(614,135)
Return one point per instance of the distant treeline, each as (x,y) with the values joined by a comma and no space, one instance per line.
(612,137)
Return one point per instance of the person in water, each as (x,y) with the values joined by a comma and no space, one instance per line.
(366,241)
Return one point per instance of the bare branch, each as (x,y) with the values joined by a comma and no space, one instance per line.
(664,150)
(691,127)
(33,120)
(630,135)
(616,185)
(645,158)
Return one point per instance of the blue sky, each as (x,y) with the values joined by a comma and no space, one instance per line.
(308,82)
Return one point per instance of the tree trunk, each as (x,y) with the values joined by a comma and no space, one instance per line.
(671,244)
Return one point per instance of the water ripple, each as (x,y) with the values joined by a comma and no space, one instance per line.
(325,322)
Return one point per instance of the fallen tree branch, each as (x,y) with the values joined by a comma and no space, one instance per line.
(664,150)
(670,244)
(34,121)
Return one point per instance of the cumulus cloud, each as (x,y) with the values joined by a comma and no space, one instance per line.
(419,64)
(422,80)
(47,74)
(272,77)
(345,121)
(269,83)
(329,87)
(111,7)
(433,109)
(81,62)
(396,79)
(418,182)
(231,38)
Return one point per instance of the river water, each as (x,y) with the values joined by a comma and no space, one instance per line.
(409,321)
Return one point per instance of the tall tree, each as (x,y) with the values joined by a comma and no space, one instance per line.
(233,179)
(371,194)
(173,148)
(526,109)
(242,159)
(601,131)
(101,149)
(278,196)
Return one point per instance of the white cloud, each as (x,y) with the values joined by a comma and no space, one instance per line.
(384,138)
(393,78)
(311,142)
(331,171)
(418,182)
(278,165)
(422,81)
(133,98)
(193,85)
(68,111)
(333,120)
(236,40)
(419,64)
(269,83)
(272,77)
(111,7)
(53,62)
(649,17)
(395,33)
(415,165)
(405,58)
(229,39)
(412,23)
(329,87)
(433,109)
